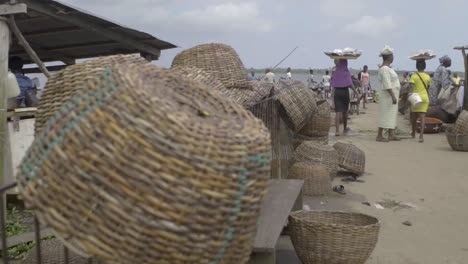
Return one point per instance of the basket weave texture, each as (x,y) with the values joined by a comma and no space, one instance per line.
(333,237)
(219,60)
(143,165)
(61,86)
(323,154)
(461,126)
(458,142)
(351,158)
(318,124)
(316,178)
(298,104)
(298,140)
(245,97)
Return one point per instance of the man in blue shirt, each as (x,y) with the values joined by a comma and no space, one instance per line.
(16,67)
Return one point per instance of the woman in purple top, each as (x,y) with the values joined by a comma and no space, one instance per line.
(341,82)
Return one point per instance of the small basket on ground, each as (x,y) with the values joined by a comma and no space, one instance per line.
(297,104)
(316,178)
(323,154)
(219,60)
(333,237)
(458,142)
(461,126)
(432,125)
(318,124)
(351,158)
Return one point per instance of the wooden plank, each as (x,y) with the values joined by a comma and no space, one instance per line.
(263,258)
(276,207)
(27,237)
(8,9)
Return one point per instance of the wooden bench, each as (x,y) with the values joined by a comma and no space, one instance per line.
(284,196)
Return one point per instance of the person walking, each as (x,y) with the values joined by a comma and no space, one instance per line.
(388,96)
(341,82)
(420,83)
(326,83)
(364,78)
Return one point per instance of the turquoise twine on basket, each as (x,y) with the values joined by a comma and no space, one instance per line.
(260,160)
(100,96)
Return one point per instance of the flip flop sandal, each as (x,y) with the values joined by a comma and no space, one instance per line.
(382,140)
(394,139)
(421,140)
(339,189)
(352,178)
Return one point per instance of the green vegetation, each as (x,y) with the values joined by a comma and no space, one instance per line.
(15,226)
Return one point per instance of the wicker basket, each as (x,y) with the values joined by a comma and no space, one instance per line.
(148,154)
(323,154)
(316,178)
(458,142)
(297,104)
(249,97)
(333,237)
(201,76)
(52,252)
(61,86)
(461,126)
(218,60)
(299,139)
(432,125)
(351,158)
(318,124)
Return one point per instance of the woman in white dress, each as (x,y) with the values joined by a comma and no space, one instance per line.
(388,97)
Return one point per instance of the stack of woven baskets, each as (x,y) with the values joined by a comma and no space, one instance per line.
(457,136)
(318,153)
(317,126)
(130,160)
(222,63)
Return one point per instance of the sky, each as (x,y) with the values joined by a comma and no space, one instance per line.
(263,32)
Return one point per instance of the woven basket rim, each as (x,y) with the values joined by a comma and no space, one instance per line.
(298,215)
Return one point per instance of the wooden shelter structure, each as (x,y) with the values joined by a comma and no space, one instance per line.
(463,49)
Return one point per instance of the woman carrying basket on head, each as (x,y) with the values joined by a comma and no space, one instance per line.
(420,83)
(341,82)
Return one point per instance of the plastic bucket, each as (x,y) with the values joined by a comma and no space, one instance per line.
(415,99)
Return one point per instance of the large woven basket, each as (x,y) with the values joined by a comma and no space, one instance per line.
(333,237)
(458,142)
(53,252)
(318,124)
(62,86)
(316,178)
(323,154)
(299,139)
(461,126)
(298,104)
(351,158)
(256,92)
(143,165)
(219,60)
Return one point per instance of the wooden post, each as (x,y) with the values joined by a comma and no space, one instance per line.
(465,99)
(4,50)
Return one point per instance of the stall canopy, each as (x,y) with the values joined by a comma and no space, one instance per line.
(60,33)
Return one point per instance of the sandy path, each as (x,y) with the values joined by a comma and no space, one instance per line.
(430,176)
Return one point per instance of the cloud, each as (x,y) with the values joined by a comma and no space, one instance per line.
(224,17)
(343,8)
(373,27)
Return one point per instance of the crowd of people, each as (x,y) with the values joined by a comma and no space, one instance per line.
(438,90)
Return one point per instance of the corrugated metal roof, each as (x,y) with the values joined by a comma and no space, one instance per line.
(59,32)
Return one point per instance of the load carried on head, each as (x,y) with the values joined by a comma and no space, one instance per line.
(346,53)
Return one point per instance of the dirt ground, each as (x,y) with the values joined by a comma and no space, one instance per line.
(429,177)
